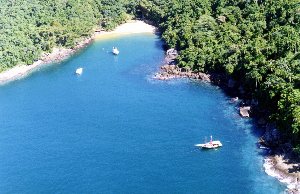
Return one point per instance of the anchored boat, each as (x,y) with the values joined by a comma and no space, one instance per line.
(210,145)
(79,71)
(115,51)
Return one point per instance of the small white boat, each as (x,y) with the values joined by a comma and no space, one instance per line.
(79,71)
(210,145)
(264,147)
(115,51)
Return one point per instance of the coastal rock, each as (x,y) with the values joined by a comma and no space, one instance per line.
(204,77)
(279,166)
(172,53)
(170,57)
(245,111)
(235,99)
(272,137)
(173,71)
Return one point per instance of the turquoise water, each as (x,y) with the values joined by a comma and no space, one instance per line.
(115,130)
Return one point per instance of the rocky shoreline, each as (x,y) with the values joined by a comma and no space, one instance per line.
(276,166)
(280,162)
(57,55)
(171,71)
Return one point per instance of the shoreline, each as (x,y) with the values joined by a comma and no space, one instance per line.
(130,27)
(59,54)
(277,165)
(280,163)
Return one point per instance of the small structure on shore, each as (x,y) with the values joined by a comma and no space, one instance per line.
(210,145)
(245,111)
(79,71)
(115,51)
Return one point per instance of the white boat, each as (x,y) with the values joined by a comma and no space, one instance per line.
(264,147)
(79,71)
(210,145)
(115,51)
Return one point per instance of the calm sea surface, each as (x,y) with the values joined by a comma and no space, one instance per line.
(114,129)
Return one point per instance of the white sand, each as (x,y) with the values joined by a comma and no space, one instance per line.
(58,54)
(130,27)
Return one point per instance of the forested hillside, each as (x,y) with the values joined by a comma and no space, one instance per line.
(28,27)
(255,42)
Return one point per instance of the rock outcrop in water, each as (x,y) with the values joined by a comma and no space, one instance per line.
(281,161)
(171,71)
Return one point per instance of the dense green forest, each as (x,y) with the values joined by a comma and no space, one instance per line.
(30,27)
(255,42)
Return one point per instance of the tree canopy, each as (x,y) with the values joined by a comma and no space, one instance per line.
(30,27)
(255,42)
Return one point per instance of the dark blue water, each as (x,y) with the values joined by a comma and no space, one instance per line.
(115,130)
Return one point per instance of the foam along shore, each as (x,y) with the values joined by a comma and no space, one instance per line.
(59,54)
(283,170)
(130,27)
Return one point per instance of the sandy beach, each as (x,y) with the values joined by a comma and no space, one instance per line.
(59,54)
(130,27)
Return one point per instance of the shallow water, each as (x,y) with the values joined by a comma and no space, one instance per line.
(115,130)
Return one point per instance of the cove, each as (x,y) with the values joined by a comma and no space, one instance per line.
(114,129)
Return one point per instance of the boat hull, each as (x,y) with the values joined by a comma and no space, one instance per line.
(79,71)
(210,145)
(115,51)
